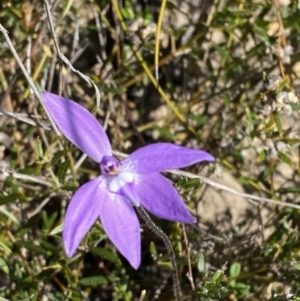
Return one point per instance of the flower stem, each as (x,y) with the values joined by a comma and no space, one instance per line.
(149,223)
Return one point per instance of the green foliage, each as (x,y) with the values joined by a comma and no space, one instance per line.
(96,280)
(62,171)
(228,83)
(105,254)
(57,156)
(212,288)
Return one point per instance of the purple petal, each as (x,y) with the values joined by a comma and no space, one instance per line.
(157,195)
(78,125)
(121,224)
(163,156)
(82,212)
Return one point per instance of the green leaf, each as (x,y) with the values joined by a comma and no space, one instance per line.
(4,248)
(30,224)
(289,190)
(62,171)
(76,294)
(8,199)
(188,184)
(235,269)
(201,119)
(295,106)
(113,89)
(14,157)
(217,276)
(57,156)
(211,290)
(165,132)
(72,188)
(242,288)
(296,265)
(223,52)
(31,247)
(127,13)
(49,219)
(153,250)
(266,172)
(57,229)
(34,169)
(97,280)
(201,263)
(282,84)
(105,254)
(283,157)
(4,266)
(39,149)
(277,122)
(49,246)
(261,32)
(261,156)
(249,115)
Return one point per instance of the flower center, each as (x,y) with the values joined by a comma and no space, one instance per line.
(109,166)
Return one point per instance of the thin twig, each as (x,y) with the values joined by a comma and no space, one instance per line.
(64,58)
(36,92)
(73,52)
(24,118)
(27,76)
(102,42)
(131,121)
(143,63)
(157,40)
(16,175)
(231,190)
(188,251)
(51,71)
(36,43)
(149,223)
(281,37)
(143,295)
(41,205)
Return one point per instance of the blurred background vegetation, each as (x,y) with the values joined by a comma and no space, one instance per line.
(228,83)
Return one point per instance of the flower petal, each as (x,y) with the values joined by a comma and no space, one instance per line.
(163,156)
(78,125)
(122,227)
(82,212)
(158,195)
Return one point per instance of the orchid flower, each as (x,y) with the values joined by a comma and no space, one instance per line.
(133,181)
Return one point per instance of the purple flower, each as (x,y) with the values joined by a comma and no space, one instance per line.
(135,180)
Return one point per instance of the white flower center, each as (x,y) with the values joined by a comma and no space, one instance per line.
(117,181)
